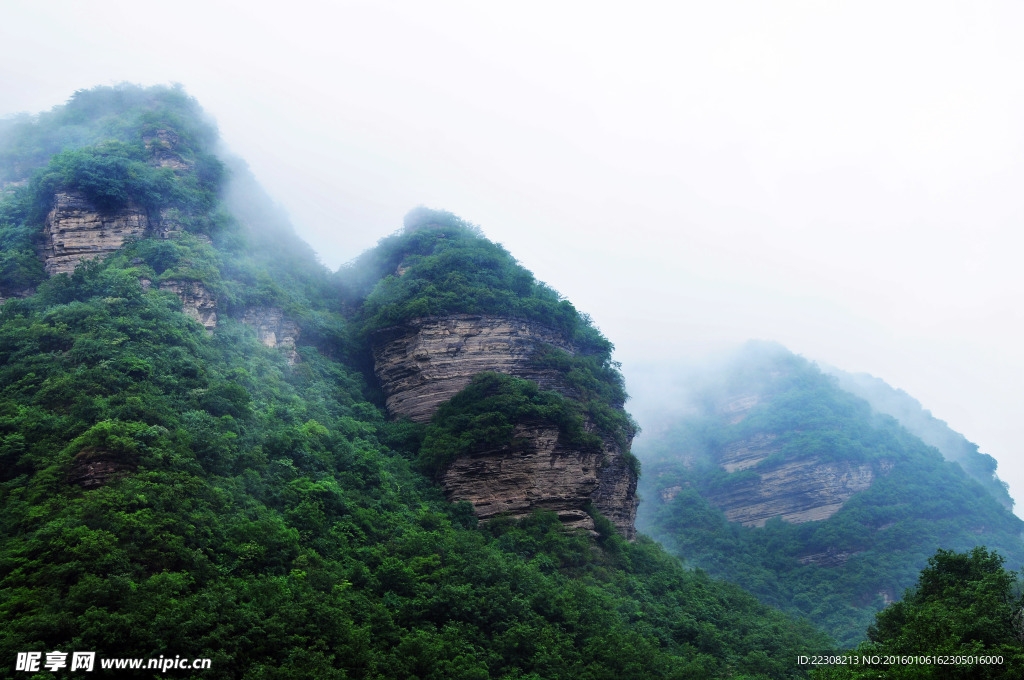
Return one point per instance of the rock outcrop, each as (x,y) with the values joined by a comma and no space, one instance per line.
(11,187)
(5,296)
(793,487)
(538,472)
(93,467)
(427,361)
(163,145)
(797,490)
(75,231)
(274,330)
(196,300)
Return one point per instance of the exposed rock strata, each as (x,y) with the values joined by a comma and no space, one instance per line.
(538,472)
(426,362)
(274,330)
(829,558)
(765,484)
(196,300)
(93,467)
(75,231)
(797,490)
(747,453)
(5,296)
(163,145)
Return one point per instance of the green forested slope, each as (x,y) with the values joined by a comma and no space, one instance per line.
(908,411)
(268,516)
(916,504)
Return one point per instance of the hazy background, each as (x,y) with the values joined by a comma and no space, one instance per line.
(844,178)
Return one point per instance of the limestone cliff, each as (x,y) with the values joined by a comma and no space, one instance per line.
(163,145)
(196,300)
(797,490)
(274,329)
(794,487)
(74,231)
(94,467)
(427,361)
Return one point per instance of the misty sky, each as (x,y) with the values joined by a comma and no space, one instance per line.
(842,177)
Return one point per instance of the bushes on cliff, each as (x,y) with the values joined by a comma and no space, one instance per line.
(114,175)
(122,113)
(484,414)
(450,268)
(443,265)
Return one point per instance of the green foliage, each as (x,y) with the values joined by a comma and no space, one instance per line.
(123,113)
(484,414)
(932,431)
(870,550)
(443,265)
(963,605)
(113,175)
(267,516)
(447,267)
(596,382)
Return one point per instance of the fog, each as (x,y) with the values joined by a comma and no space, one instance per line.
(842,178)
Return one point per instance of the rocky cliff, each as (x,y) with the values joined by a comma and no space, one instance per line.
(796,488)
(427,361)
(196,300)
(94,467)
(74,231)
(163,145)
(539,472)
(274,329)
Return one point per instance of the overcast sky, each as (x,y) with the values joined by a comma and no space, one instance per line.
(842,177)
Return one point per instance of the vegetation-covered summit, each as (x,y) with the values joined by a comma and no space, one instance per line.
(441,265)
(166,491)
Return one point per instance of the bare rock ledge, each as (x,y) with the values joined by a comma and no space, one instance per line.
(427,361)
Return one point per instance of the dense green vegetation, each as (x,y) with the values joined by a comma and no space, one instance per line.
(448,267)
(483,415)
(932,431)
(964,605)
(268,516)
(876,543)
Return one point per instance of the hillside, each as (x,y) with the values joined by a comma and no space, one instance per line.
(908,411)
(203,453)
(779,480)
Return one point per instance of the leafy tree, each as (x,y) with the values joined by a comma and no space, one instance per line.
(964,605)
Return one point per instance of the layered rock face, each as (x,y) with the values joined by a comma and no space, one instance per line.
(538,472)
(163,144)
(424,363)
(196,300)
(93,467)
(274,329)
(76,231)
(797,489)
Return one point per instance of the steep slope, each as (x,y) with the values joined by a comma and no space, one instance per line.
(234,491)
(908,411)
(783,482)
